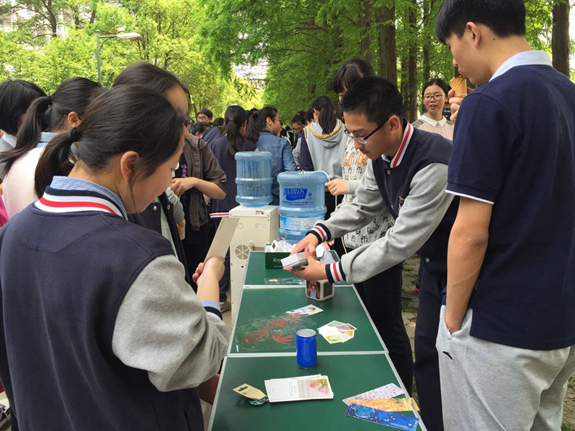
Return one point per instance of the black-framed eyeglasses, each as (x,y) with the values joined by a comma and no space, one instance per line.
(436,96)
(363,139)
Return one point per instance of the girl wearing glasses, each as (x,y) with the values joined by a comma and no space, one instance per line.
(434,98)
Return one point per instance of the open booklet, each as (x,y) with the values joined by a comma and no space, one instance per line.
(314,387)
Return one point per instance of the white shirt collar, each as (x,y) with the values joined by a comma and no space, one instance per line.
(433,122)
(10,139)
(526,58)
(407,134)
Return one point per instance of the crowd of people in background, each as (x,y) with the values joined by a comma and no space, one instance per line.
(110,193)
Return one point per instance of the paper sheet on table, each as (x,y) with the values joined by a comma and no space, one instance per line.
(298,389)
(388,404)
(222,239)
(249,391)
(387,391)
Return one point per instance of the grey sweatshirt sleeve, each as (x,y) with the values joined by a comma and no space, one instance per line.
(161,327)
(420,215)
(353,186)
(178,207)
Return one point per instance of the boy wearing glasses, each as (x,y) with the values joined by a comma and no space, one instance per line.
(406,176)
(507,334)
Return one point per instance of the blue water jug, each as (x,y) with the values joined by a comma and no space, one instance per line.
(302,203)
(254,178)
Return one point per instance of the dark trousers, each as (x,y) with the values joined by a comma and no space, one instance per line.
(382,297)
(426,367)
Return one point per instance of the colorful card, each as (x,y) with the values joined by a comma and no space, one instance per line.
(298,389)
(337,332)
(387,391)
(390,419)
(388,404)
(308,310)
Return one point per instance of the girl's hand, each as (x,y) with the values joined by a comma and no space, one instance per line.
(181,185)
(338,187)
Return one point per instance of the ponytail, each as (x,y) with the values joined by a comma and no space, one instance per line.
(235,118)
(56,159)
(327,119)
(257,122)
(49,114)
(29,133)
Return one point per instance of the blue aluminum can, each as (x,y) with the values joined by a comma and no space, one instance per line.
(306,347)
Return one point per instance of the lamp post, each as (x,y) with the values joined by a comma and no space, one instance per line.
(128,36)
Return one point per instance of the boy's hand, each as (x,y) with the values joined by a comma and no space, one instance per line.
(315,270)
(455,102)
(308,244)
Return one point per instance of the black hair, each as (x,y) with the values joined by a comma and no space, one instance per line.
(218,122)
(199,127)
(49,114)
(125,118)
(309,115)
(236,117)
(299,118)
(207,112)
(349,73)
(374,97)
(503,17)
(327,119)
(15,97)
(257,122)
(149,76)
(439,82)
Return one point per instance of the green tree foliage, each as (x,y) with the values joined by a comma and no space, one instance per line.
(47,54)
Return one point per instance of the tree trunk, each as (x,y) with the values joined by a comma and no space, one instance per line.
(387,55)
(560,36)
(412,84)
(365,23)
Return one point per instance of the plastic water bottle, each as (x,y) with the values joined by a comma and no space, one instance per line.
(302,203)
(254,178)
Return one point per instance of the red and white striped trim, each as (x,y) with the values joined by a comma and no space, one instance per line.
(335,271)
(64,204)
(321,231)
(219,215)
(404,144)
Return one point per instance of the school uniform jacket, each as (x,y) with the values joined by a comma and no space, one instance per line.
(99,329)
(410,187)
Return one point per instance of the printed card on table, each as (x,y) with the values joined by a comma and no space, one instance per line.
(387,391)
(299,389)
(390,419)
(388,404)
(308,310)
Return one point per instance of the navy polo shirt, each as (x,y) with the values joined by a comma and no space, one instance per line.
(514,147)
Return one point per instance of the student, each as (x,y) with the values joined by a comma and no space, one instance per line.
(199,175)
(160,216)
(199,128)
(507,332)
(434,97)
(298,122)
(225,149)
(117,334)
(382,292)
(263,128)
(45,117)
(15,97)
(205,116)
(406,176)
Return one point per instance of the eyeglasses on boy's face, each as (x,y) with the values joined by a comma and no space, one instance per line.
(363,139)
